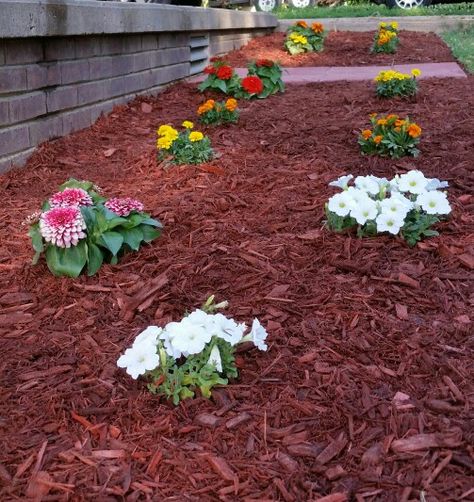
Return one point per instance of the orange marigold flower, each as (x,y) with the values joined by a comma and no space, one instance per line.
(414,130)
(372,115)
(381,122)
(231,104)
(317,27)
(302,24)
(399,122)
(378,139)
(397,129)
(366,133)
(392,116)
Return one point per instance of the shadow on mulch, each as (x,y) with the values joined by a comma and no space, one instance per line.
(346,48)
(352,322)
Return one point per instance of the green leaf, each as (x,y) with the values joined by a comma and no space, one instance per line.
(94,258)
(133,237)
(113,241)
(149,233)
(221,85)
(67,261)
(152,222)
(36,239)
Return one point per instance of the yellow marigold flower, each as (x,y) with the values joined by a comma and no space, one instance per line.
(164,129)
(414,130)
(394,25)
(231,104)
(383,39)
(383,24)
(366,133)
(302,24)
(196,136)
(381,122)
(187,124)
(298,39)
(416,72)
(164,143)
(378,139)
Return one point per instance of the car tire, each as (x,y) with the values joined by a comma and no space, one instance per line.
(408,4)
(266,5)
(300,4)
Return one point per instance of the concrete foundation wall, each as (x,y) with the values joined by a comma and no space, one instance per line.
(53,85)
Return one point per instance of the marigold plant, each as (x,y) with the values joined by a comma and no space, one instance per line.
(183,147)
(390,136)
(408,205)
(220,77)
(194,354)
(386,39)
(78,229)
(218,112)
(269,72)
(302,38)
(391,83)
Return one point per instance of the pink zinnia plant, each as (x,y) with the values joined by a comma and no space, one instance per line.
(62,226)
(123,207)
(71,197)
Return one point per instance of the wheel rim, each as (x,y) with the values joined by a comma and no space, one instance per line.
(409,4)
(300,3)
(266,5)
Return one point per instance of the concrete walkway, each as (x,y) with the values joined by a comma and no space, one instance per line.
(309,74)
(435,24)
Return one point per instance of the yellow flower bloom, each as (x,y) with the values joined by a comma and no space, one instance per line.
(383,24)
(164,143)
(298,39)
(381,122)
(394,25)
(416,72)
(164,129)
(187,124)
(196,136)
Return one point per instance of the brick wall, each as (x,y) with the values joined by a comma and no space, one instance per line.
(51,86)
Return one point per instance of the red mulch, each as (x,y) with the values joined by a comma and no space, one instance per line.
(346,48)
(352,322)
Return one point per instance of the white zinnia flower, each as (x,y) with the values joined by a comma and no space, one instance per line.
(389,223)
(225,328)
(367,184)
(139,359)
(366,210)
(187,337)
(341,204)
(341,182)
(395,207)
(257,335)
(215,358)
(149,335)
(435,183)
(434,202)
(413,181)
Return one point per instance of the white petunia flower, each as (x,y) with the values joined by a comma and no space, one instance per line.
(358,196)
(367,184)
(199,317)
(395,207)
(434,202)
(404,200)
(381,182)
(149,335)
(341,204)
(215,358)
(366,210)
(139,359)
(341,182)
(389,223)
(221,326)
(187,337)
(413,181)
(257,335)
(435,184)
(170,349)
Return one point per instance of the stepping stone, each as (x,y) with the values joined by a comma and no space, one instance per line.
(304,75)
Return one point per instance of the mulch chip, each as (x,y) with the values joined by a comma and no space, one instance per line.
(366,391)
(346,48)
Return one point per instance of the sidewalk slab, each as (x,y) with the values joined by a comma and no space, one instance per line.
(304,75)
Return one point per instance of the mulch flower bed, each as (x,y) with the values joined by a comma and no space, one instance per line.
(366,390)
(346,48)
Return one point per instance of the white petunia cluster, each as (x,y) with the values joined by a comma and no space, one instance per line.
(387,203)
(187,337)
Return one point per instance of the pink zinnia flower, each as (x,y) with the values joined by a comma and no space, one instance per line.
(71,197)
(62,226)
(123,207)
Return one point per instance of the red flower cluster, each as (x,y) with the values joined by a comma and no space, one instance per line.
(210,70)
(224,72)
(215,59)
(252,84)
(264,62)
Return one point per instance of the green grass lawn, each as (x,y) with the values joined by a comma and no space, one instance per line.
(370,9)
(462,45)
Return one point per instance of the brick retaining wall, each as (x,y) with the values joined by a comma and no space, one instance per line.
(51,86)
